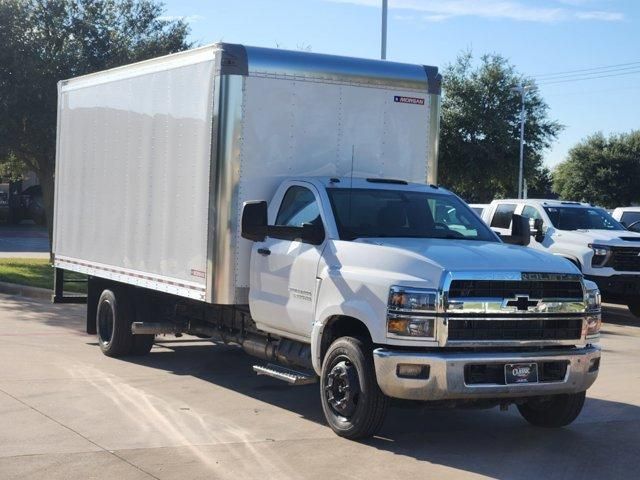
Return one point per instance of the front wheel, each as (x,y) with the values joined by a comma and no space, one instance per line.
(554,411)
(634,308)
(352,402)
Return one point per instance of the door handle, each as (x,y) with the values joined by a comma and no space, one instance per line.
(264,251)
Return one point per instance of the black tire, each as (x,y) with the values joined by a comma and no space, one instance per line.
(113,323)
(554,411)
(634,308)
(360,411)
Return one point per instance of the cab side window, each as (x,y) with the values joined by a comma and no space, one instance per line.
(531,213)
(502,215)
(299,206)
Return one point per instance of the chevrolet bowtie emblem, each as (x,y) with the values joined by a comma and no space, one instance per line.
(521,302)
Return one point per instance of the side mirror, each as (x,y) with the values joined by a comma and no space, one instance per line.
(538,225)
(313,234)
(520,231)
(254,221)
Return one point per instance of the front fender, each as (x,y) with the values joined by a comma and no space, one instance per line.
(357,309)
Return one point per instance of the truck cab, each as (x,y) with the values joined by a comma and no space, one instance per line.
(590,238)
(402,291)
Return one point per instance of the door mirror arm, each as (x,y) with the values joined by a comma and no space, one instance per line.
(312,233)
(539,232)
(256,228)
(307,233)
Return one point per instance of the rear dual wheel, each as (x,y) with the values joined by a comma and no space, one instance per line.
(115,314)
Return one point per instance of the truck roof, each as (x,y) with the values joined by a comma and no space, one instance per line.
(544,202)
(372,183)
(245,60)
(627,209)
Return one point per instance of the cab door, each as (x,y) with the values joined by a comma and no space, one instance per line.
(283,271)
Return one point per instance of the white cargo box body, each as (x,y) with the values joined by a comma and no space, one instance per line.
(155,159)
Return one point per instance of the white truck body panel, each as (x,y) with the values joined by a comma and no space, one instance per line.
(132,180)
(155,159)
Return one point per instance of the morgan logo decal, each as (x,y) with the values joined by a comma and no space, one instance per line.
(197,273)
(410,100)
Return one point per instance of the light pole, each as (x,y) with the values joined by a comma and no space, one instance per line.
(383,40)
(522,90)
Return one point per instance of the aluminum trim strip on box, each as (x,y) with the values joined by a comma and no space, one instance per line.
(335,68)
(131,277)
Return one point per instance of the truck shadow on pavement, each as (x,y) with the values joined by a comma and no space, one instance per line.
(601,443)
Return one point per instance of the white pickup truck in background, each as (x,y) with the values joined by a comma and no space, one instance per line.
(287,202)
(589,237)
(629,217)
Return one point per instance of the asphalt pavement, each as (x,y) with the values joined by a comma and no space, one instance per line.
(23,241)
(195,410)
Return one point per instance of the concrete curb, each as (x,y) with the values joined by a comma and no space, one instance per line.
(25,291)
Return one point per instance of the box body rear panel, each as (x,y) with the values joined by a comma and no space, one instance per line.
(132,180)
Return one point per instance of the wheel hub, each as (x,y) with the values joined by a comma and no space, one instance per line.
(342,388)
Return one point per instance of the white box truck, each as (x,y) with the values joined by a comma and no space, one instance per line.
(287,202)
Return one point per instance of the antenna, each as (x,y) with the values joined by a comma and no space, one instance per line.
(353,154)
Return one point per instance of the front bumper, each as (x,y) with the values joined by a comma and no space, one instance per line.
(446,378)
(618,287)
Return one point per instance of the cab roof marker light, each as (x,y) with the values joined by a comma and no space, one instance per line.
(387,180)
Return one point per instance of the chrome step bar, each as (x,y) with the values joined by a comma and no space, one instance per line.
(293,377)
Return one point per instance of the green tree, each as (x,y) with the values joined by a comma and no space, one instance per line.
(44,41)
(604,171)
(480,130)
(12,169)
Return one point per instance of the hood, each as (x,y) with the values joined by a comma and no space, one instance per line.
(604,237)
(466,255)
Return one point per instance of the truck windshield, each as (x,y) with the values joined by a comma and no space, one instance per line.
(581,218)
(366,212)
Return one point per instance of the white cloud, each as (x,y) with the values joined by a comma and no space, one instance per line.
(600,15)
(436,18)
(439,10)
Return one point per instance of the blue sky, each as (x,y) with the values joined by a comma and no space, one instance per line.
(538,36)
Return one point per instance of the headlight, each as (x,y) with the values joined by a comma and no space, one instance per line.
(411,326)
(413,300)
(600,254)
(594,308)
(411,312)
(594,300)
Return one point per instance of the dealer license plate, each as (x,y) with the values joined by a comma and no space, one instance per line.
(521,373)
